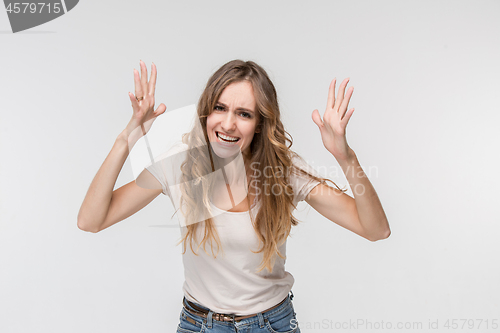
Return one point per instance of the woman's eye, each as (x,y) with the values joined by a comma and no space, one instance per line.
(246,115)
(219,108)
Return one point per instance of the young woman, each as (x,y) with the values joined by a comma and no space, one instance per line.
(238,185)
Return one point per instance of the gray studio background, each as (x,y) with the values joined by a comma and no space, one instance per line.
(425,129)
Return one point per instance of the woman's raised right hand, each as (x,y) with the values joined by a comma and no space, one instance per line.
(143,108)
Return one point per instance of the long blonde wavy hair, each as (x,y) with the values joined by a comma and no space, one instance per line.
(270,148)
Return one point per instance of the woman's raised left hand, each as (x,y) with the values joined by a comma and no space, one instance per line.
(334,122)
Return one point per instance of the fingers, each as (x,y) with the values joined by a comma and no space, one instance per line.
(347,116)
(340,95)
(152,81)
(345,102)
(331,95)
(144,78)
(133,100)
(137,82)
(145,89)
(142,86)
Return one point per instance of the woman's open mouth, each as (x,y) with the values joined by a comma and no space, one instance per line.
(226,138)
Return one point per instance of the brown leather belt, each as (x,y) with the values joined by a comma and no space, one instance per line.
(222,316)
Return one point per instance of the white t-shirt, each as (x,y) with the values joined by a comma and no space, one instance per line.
(230,283)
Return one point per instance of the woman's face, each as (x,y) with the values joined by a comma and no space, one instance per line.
(234,119)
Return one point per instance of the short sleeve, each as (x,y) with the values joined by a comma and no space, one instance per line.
(166,167)
(158,171)
(302,184)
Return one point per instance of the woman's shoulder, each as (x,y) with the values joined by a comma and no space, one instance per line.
(176,148)
(167,161)
(302,177)
(299,165)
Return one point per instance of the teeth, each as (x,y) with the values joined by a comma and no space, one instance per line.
(227,138)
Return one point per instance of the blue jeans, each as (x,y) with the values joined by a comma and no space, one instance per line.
(281,319)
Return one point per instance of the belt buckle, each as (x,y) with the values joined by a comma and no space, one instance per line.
(223,317)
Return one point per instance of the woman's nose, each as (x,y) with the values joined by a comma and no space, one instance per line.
(229,122)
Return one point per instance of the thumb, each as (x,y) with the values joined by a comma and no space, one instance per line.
(160,109)
(317,119)
(133,100)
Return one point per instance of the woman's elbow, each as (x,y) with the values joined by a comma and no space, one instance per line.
(85,227)
(380,235)
(386,234)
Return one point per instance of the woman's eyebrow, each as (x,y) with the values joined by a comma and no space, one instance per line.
(238,108)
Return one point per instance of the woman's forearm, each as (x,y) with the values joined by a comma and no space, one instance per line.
(371,214)
(97,200)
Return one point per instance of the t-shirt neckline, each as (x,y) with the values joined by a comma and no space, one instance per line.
(256,203)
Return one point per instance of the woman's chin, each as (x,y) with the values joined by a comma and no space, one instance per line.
(225,150)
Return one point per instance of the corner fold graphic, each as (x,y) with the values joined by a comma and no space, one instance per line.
(70,4)
(25,15)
